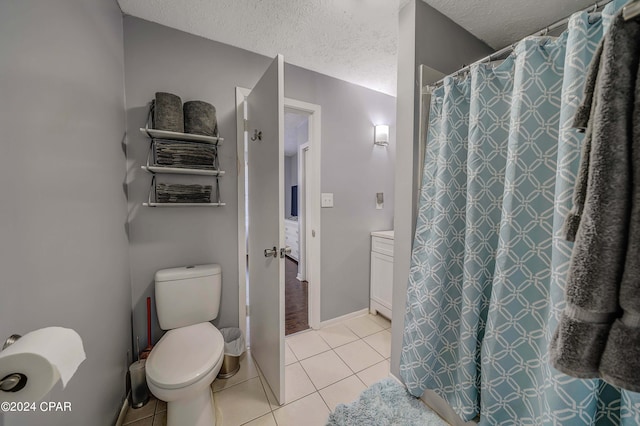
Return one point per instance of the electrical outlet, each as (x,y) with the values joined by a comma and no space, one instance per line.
(379,200)
(327,199)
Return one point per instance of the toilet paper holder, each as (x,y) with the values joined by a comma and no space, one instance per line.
(16,381)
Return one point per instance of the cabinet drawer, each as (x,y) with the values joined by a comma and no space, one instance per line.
(382,245)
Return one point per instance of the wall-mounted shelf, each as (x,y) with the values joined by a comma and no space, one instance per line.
(175,136)
(182,170)
(183,204)
(152,200)
(201,153)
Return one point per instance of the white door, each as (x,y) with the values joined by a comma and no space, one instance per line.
(266,224)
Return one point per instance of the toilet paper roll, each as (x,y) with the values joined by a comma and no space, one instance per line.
(44,356)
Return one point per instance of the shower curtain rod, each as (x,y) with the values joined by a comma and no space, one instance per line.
(630,11)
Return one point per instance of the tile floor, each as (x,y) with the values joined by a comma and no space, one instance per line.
(323,368)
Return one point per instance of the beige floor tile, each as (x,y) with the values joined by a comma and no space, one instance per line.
(343,392)
(308,411)
(160,419)
(161,406)
(375,373)
(325,369)
(308,344)
(297,383)
(266,420)
(289,357)
(147,421)
(381,321)
(243,402)
(135,414)
(337,335)
(358,355)
(363,326)
(273,403)
(247,371)
(381,342)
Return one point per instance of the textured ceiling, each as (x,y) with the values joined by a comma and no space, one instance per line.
(353,40)
(503,22)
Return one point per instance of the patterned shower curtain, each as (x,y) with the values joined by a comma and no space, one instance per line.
(489,262)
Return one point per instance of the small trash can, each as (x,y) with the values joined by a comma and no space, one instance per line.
(234,347)
(139,390)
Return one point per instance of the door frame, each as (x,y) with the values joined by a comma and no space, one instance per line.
(303,179)
(313,215)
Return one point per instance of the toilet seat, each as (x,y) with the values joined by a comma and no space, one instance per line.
(184,355)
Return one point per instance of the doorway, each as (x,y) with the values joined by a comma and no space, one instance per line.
(308,267)
(296,134)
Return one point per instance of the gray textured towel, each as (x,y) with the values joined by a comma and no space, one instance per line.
(583,122)
(592,338)
(168,112)
(620,364)
(200,118)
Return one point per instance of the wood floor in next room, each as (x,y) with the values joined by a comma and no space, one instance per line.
(296,295)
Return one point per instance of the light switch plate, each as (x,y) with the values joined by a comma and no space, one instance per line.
(327,199)
(379,200)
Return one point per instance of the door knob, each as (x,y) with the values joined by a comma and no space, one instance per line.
(272,252)
(285,251)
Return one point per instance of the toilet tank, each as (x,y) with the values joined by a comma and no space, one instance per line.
(188,295)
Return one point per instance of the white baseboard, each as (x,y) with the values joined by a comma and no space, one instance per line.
(337,320)
(123,411)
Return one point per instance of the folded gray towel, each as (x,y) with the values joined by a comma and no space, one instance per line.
(200,118)
(604,274)
(167,113)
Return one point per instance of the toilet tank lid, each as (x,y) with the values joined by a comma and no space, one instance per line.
(185,272)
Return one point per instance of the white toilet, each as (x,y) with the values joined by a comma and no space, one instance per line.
(186,360)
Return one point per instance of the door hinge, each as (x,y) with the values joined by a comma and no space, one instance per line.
(247,309)
(246,125)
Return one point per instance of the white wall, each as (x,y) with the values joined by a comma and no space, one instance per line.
(63,215)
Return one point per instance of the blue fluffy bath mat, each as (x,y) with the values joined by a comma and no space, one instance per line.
(385,403)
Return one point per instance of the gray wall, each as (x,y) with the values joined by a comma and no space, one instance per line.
(290,179)
(352,168)
(430,38)
(287,185)
(158,58)
(301,136)
(63,250)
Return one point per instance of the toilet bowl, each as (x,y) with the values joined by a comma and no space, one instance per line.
(185,362)
(180,371)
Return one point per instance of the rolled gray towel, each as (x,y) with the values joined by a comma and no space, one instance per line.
(168,113)
(200,118)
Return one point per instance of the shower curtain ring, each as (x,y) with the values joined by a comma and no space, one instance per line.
(595,7)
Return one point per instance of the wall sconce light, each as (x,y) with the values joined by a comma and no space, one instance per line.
(381,136)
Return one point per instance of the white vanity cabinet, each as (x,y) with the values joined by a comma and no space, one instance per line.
(292,238)
(381,284)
